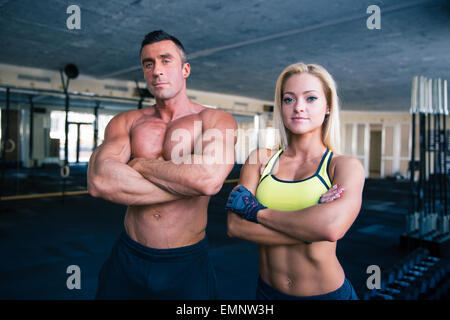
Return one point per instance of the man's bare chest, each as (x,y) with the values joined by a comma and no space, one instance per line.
(153,138)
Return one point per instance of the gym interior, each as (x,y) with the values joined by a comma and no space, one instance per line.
(67,68)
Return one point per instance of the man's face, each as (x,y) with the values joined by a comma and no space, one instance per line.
(164,71)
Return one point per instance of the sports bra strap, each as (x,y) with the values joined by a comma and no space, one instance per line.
(323,171)
(270,164)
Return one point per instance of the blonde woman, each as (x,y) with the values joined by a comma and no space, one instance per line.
(288,205)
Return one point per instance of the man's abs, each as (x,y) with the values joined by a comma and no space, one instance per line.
(169,225)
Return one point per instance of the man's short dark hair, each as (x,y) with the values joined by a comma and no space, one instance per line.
(160,35)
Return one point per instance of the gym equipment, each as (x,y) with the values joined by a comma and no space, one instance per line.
(427,224)
(71,72)
(419,276)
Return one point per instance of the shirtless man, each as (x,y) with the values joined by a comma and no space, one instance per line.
(162,253)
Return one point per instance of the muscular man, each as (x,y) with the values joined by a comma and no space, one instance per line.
(161,162)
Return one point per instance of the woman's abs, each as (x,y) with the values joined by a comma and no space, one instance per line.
(301,270)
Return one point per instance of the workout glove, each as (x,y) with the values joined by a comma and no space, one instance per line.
(242,202)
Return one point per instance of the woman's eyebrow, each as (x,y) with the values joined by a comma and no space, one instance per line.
(307,91)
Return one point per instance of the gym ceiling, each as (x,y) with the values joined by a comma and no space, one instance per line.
(240,47)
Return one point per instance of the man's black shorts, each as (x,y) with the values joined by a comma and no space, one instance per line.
(135,271)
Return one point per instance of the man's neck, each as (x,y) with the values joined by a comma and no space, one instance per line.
(173,108)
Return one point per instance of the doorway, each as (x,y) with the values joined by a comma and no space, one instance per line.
(81,141)
(375,154)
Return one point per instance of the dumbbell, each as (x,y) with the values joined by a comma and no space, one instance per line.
(438,271)
(429,282)
(393,280)
(427,267)
(411,287)
(432,259)
(407,293)
(398,288)
(386,284)
(439,281)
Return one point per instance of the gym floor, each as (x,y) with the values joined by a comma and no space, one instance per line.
(40,238)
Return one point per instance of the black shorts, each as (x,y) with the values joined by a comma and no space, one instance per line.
(266,292)
(135,271)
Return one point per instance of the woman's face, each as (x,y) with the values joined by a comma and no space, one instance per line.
(303,103)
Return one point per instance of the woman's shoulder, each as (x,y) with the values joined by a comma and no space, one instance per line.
(345,162)
(261,155)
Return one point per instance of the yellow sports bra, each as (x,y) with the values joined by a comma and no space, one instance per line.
(293,195)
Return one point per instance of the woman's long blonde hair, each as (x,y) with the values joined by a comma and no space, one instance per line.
(330,127)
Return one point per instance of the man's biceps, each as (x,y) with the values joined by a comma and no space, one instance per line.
(116,150)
